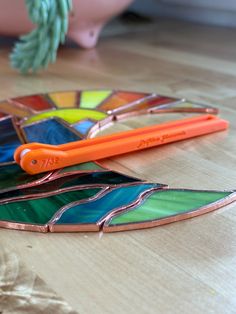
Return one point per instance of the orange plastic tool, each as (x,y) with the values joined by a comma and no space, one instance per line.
(36,158)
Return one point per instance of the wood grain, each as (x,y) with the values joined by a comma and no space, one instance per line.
(186,267)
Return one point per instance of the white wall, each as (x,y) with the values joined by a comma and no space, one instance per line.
(218,12)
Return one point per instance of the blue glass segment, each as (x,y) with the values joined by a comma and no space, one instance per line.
(93,211)
(9,140)
(50,131)
(84,126)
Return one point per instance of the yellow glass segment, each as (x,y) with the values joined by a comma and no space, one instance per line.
(64,100)
(91,99)
(69,115)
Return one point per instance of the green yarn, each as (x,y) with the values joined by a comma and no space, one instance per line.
(39,48)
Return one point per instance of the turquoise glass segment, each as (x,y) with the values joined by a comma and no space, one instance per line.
(49,132)
(93,211)
(166,203)
(9,140)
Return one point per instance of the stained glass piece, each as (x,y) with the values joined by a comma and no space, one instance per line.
(13,109)
(69,182)
(166,203)
(120,99)
(84,126)
(69,115)
(132,203)
(86,166)
(49,132)
(64,99)
(149,103)
(91,99)
(183,104)
(41,210)
(9,140)
(35,102)
(12,176)
(188,106)
(93,211)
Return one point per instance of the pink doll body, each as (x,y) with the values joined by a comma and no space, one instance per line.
(86,20)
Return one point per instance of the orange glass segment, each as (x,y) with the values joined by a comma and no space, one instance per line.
(64,99)
(35,102)
(14,109)
(120,99)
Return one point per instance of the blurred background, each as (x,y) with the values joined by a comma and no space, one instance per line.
(216,12)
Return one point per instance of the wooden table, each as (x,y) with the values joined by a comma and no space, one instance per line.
(185,267)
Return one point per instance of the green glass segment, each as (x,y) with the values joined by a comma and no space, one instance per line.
(69,115)
(86,166)
(12,176)
(91,99)
(41,210)
(93,211)
(166,203)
